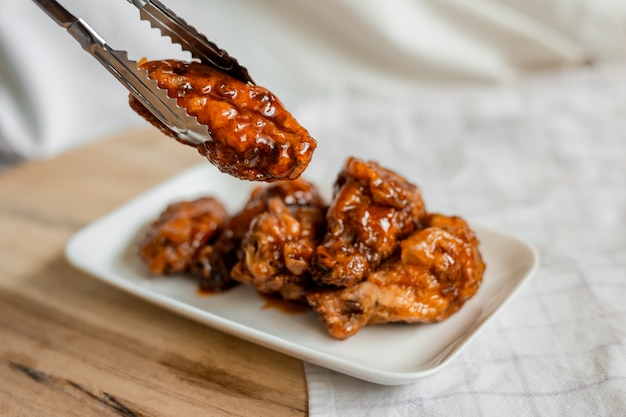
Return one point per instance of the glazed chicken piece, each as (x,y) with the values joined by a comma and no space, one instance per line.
(171,242)
(373,208)
(254,137)
(278,247)
(214,264)
(438,269)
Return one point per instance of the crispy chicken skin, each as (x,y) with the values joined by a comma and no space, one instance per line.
(254,137)
(171,242)
(278,247)
(256,222)
(438,268)
(373,208)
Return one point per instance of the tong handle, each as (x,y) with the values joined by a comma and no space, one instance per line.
(189,38)
(81,31)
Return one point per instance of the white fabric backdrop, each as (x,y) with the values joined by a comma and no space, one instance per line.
(54,96)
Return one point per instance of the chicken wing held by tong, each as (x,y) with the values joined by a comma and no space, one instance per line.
(272,146)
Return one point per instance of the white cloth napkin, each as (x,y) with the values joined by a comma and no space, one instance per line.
(545,161)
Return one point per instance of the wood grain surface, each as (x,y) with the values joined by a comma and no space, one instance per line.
(71,345)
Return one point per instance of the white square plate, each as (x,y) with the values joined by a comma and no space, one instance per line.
(388,354)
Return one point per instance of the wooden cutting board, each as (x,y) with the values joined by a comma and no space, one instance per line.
(71,345)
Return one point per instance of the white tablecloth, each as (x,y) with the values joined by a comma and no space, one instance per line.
(546,162)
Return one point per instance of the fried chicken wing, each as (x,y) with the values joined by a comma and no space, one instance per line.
(439,268)
(449,248)
(254,136)
(373,208)
(215,265)
(171,242)
(278,247)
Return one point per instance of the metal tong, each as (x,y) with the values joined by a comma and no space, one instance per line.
(146,90)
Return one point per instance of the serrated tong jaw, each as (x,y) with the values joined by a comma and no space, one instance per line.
(182,33)
(146,90)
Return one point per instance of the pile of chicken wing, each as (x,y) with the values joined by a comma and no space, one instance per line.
(371,255)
